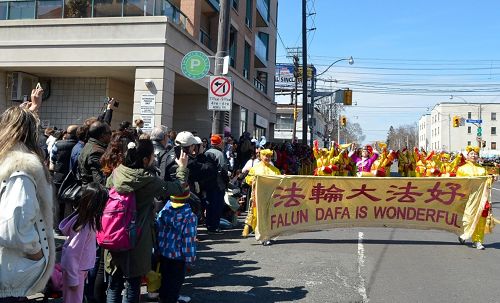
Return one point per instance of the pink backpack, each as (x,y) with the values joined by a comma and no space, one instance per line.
(119,230)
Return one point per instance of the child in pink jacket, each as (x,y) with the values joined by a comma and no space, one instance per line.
(79,250)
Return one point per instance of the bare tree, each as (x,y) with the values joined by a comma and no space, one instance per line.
(402,136)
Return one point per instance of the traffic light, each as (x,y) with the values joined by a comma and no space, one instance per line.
(483,144)
(295,113)
(343,121)
(347,97)
(456,121)
(479,131)
(296,66)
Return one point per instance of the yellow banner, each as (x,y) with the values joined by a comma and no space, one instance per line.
(290,204)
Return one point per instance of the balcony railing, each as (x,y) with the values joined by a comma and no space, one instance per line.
(205,39)
(259,85)
(55,9)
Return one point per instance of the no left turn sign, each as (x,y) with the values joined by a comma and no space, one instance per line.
(220,95)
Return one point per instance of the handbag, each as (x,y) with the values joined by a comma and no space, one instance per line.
(71,188)
(153,279)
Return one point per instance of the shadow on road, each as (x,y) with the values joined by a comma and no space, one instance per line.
(365,241)
(220,277)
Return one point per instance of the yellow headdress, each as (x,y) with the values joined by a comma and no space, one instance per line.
(266,152)
(472,148)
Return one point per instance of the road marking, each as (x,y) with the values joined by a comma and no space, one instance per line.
(495,188)
(361,264)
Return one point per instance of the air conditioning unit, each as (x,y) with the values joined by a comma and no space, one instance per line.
(19,85)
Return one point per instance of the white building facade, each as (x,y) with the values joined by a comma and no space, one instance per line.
(424,132)
(443,136)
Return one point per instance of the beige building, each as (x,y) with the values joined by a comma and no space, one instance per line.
(436,130)
(83,52)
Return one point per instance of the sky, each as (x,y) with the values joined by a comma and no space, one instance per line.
(408,55)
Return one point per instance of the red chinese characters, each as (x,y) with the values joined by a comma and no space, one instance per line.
(438,195)
(290,196)
(363,191)
(406,195)
(331,194)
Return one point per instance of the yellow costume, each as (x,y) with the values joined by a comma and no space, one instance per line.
(470,169)
(262,168)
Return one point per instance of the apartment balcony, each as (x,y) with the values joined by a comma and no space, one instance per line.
(58,9)
(260,53)
(259,85)
(262,13)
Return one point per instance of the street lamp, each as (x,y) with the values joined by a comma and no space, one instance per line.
(313,86)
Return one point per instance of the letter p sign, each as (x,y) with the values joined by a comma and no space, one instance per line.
(195,65)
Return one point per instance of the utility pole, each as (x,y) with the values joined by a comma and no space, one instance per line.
(295,109)
(304,71)
(222,50)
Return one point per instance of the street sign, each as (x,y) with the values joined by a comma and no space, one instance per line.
(195,65)
(473,121)
(220,94)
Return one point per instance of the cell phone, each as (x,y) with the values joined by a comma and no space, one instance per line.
(177,150)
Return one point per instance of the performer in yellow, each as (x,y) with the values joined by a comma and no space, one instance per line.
(264,167)
(471,169)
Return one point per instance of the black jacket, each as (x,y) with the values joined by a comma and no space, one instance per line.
(61,154)
(89,162)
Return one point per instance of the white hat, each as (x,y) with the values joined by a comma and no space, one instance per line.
(198,140)
(185,139)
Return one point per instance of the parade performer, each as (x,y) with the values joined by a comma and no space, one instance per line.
(365,162)
(382,166)
(470,169)
(323,160)
(264,167)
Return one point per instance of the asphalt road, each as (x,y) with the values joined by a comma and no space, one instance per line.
(347,265)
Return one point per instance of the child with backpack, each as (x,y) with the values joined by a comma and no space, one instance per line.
(176,225)
(135,181)
(79,249)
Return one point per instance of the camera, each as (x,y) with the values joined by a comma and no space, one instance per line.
(109,100)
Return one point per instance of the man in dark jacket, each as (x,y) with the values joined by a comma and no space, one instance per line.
(159,136)
(215,194)
(60,157)
(89,161)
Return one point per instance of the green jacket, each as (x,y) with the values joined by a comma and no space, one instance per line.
(137,262)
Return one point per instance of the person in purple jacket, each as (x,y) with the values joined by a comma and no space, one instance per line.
(364,163)
(79,250)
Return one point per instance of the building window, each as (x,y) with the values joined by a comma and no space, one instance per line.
(265,39)
(236,3)
(233,46)
(246,60)
(249,16)
(469,115)
(493,145)
(284,122)
(468,143)
(21,10)
(493,116)
(493,130)
(243,119)
(469,129)
(438,130)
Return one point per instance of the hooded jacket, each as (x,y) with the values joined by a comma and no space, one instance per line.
(79,250)
(137,261)
(177,232)
(26,219)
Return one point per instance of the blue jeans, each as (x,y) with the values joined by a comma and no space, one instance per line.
(115,287)
(215,206)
